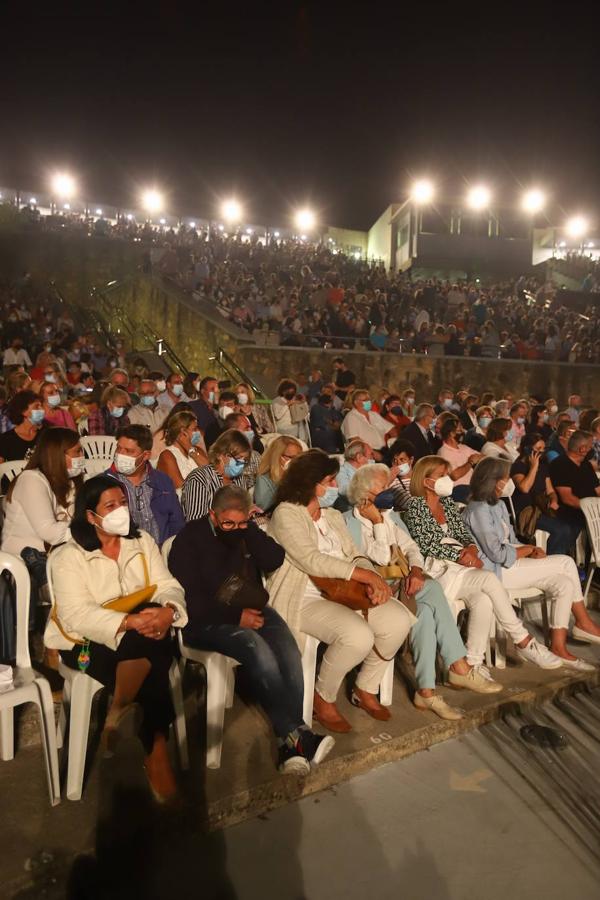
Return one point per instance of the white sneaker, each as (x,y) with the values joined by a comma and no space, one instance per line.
(539,655)
(579,664)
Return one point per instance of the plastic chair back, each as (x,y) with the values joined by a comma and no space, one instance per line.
(11,469)
(99,446)
(590,506)
(18,570)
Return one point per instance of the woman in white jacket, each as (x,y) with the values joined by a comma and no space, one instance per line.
(375,531)
(131,653)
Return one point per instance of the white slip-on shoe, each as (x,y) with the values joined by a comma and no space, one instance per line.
(580,665)
(539,655)
(580,635)
(437,705)
(475,681)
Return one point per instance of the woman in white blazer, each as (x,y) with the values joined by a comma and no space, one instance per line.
(317,543)
(131,653)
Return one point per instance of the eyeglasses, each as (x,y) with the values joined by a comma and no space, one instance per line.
(228,525)
(139,498)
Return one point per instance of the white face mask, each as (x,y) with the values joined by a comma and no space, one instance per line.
(54,400)
(177,389)
(509,488)
(161,386)
(118,521)
(404,468)
(242,399)
(126,465)
(443,486)
(76,467)
(553,410)
(225,411)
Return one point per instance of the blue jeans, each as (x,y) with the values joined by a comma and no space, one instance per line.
(562,534)
(272,663)
(435,626)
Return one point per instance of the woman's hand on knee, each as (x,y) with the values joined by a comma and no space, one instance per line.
(378,591)
(151,623)
(252,618)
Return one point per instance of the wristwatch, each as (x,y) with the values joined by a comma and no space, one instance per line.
(176,613)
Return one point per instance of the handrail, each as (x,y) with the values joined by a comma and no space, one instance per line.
(164,348)
(231,368)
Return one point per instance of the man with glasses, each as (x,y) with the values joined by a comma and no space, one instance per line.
(233,618)
(153,503)
(147,412)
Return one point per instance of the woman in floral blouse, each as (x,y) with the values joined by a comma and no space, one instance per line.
(452,558)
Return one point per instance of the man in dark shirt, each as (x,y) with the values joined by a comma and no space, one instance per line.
(203,407)
(345,380)
(574,478)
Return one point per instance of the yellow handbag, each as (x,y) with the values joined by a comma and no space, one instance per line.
(397,567)
(124,604)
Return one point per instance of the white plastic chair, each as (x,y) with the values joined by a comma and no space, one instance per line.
(95,467)
(590,507)
(11,469)
(79,690)
(220,685)
(28,685)
(99,446)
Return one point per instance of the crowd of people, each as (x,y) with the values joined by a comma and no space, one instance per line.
(276,522)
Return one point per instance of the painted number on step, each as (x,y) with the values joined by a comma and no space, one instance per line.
(380,738)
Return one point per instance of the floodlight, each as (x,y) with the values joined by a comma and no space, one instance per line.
(591,245)
(356,254)
(422,191)
(129,217)
(479,197)
(98,212)
(152,201)
(231,210)
(221,228)
(163,221)
(66,206)
(249,231)
(192,224)
(533,201)
(305,220)
(33,201)
(63,185)
(276,234)
(576,226)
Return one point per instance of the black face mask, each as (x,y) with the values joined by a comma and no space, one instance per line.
(396,410)
(289,395)
(231,538)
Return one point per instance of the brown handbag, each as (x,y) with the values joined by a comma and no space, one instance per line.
(352,594)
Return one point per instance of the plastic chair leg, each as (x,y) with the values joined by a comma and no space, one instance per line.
(48,731)
(216,695)
(588,581)
(230,687)
(83,689)
(179,725)
(7,734)
(500,648)
(61,728)
(386,687)
(309,665)
(545,621)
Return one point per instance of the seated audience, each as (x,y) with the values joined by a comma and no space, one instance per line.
(317,543)
(557,445)
(361,422)
(574,407)
(204,555)
(257,413)
(459,456)
(54,413)
(468,413)
(574,478)
(445,402)
(393,413)
(273,464)
(419,432)
(112,414)
(325,425)
(538,422)
(523,565)
(226,406)
(499,440)
(26,413)
(153,503)
(131,653)
(376,532)
(227,460)
(173,393)
(147,412)
(357,454)
(203,406)
(452,558)
(288,410)
(184,450)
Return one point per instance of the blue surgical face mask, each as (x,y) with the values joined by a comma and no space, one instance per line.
(249,435)
(177,389)
(403,468)
(367,405)
(51,379)
(509,436)
(396,410)
(36,416)
(211,397)
(484,421)
(329,497)
(234,467)
(195,438)
(54,400)
(117,411)
(147,400)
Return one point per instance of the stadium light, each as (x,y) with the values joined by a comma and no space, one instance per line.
(98,212)
(66,206)
(192,224)
(577,226)
(163,221)
(63,185)
(33,201)
(276,234)
(152,201)
(305,220)
(422,191)
(231,210)
(533,201)
(479,197)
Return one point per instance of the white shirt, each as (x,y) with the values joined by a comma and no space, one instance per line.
(371,429)
(492,449)
(20,358)
(377,540)
(33,516)
(329,543)
(184,463)
(150,416)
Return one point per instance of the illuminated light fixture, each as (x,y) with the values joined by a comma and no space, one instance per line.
(302,237)
(231,210)
(129,217)
(577,226)
(221,228)
(249,231)
(479,197)
(422,191)
(33,201)
(192,224)
(152,201)
(562,244)
(163,221)
(356,254)
(276,234)
(98,212)
(66,206)
(305,220)
(591,245)
(63,185)
(533,201)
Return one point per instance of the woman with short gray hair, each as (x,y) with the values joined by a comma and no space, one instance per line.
(523,565)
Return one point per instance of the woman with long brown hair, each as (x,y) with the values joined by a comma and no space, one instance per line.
(184,450)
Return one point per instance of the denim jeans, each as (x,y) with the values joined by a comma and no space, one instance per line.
(562,534)
(272,663)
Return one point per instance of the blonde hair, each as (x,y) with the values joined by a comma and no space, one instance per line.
(115,395)
(228,443)
(243,388)
(422,470)
(353,397)
(176,425)
(269,463)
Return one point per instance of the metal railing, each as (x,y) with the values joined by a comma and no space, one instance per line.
(236,373)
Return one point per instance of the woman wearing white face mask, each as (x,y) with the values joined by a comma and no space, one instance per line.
(256,413)
(131,652)
(317,543)
(522,565)
(185,448)
(452,558)
(54,413)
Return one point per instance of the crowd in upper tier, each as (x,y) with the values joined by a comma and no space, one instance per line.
(416,506)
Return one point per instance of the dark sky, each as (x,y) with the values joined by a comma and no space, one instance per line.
(295,103)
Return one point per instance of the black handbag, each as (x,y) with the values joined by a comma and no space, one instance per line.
(241,591)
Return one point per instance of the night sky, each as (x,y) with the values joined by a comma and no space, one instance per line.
(302,103)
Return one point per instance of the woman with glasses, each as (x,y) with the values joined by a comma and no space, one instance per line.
(203,557)
(227,459)
(273,464)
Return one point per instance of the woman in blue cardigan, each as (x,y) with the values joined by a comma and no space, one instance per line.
(522,565)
